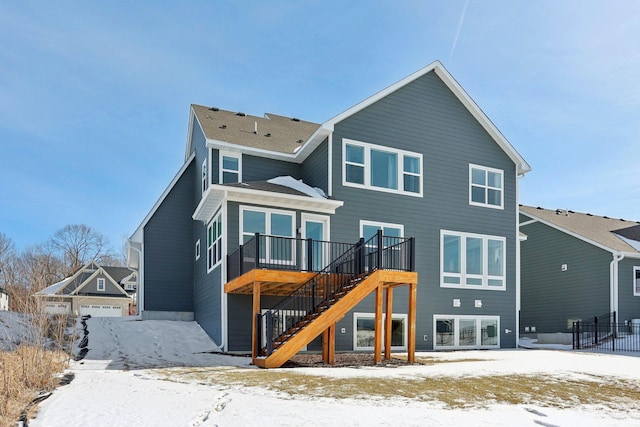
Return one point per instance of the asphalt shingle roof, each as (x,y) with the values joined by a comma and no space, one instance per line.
(600,229)
(274,132)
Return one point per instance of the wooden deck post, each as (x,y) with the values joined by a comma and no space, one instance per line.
(387,322)
(329,345)
(377,350)
(255,312)
(411,345)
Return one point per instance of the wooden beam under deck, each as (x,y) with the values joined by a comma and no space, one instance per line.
(273,282)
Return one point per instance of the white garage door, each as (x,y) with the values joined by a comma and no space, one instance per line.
(100,310)
(57,307)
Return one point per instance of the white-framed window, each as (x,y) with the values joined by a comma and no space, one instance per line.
(474,261)
(270,222)
(465,332)
(101,284)
(636,281)
(198,249)
(214,242)
(486,187)
(285,320)
(368,229)
(203,176)
(381,168)
(230,168)
(364,331)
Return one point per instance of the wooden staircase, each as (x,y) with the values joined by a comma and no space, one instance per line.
(328,312)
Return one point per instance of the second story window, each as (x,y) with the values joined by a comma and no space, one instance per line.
(204,176)
(381,168)
(230,168)
(101,284)
(486,187)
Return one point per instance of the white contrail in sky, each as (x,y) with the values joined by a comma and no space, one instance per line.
(455,39)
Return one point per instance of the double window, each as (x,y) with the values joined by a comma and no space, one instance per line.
(466,332)
(391,232)
(486,187)
(472,261)
(214,242)
(230,168)
(364,331)
(381,168)
(279,226)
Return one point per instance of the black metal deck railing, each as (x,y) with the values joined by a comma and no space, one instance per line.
(283,253)
(604,333)
(332,282)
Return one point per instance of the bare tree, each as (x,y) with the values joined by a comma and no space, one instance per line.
(7,256)
(77,244)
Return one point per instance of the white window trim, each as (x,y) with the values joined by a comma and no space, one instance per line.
(456,337)
(463,262)
(394,316)
(101,285)
(381,225)
(367,167)
(198,248)
(210,266)
(268,212)
(486,186)
(204,181)
(636,286)
(238,156)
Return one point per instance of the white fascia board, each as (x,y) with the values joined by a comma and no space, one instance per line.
(219,193)
(298,157)
(522,166)
(192,117)
(570,233)
(137,235)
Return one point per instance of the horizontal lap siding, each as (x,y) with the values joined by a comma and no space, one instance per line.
(261,169)
(551,296)
(314,168)
(168,250)
(628,304)
(425,117)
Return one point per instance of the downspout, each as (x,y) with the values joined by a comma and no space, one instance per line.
(517,264)
(140,302)
(613,277)
(224,326)
(330,165)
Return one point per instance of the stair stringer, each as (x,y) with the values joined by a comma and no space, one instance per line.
(320,323)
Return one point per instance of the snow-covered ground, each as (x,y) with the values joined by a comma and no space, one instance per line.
(122,382)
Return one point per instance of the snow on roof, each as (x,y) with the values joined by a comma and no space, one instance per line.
(53,289)
(298,185)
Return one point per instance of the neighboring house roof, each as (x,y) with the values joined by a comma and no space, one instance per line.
(72,285)
(118,273)
(599,230)
(271,132)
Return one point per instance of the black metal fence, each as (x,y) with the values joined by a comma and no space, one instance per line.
(331,282)
(603,333)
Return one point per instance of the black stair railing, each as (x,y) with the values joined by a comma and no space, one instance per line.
(330,284)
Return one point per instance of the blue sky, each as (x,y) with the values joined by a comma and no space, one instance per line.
(94,96)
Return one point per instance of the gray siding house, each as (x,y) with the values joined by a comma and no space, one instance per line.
(417,160)
(93,290)
(576,266)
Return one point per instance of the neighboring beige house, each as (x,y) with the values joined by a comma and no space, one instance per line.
(95,290)
(4,300)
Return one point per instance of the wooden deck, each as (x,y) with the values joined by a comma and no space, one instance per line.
(282,283)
